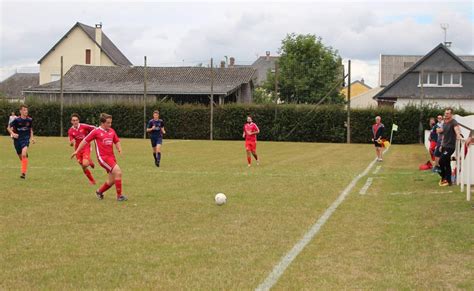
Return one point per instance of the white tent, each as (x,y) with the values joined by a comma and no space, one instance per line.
(465,162)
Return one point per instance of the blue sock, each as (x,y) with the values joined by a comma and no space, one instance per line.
(158,157)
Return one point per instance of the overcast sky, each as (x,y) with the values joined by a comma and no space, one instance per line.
(187,33)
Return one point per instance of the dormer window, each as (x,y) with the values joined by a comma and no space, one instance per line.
(430,79)
(451,79)
(88,56)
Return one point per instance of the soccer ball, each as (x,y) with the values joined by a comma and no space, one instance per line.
(220,199)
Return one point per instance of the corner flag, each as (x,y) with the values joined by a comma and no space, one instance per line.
(394,127)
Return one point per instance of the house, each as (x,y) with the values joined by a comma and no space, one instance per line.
(81,45)
(92,84)
(263,65)
(366,99)
(441,77)
(357,88)
(11,88)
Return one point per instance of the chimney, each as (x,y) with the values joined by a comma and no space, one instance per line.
(267,53)
(232,62)
(98,33)
(362,81)
(222,64)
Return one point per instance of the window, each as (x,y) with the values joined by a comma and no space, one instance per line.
(88,56)
(55,77)
(451,79)
(430,79)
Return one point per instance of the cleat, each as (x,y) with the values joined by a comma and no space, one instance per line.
(99,195)
(157,164)
(258,163)
(248,165)
(444,183)
(23,176)
(92,182)
(122,198)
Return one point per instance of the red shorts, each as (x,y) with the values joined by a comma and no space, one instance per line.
(85,154)
(251,146)
(107,162)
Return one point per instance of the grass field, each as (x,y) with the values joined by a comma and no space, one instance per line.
(404,233)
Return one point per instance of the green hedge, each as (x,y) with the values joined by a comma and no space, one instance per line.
(306,123)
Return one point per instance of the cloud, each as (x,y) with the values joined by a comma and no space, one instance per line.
(171,34)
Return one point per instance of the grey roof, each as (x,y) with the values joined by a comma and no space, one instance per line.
(392,66)
(160,80)
(13,85)
(406,91)
(263,65)
(108,47)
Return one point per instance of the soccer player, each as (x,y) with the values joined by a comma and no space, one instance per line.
(105,138)
(77,133)
(21,130)
(156,129)
(377,132)
(250,134)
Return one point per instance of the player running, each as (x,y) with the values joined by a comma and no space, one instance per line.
(21,130)
(77,133)
(156,128)
(250,134)
(105,138)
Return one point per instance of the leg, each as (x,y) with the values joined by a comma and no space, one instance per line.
(24,161)
(158,154)
(117,176)
(254,154)
(85,164)
(443,163)
(249,159)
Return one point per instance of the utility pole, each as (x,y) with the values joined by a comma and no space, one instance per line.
(62,96)
(349,102)
(422,93)
(276,81)
(212,101)
(144,98)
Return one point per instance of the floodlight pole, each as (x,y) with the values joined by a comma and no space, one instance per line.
(349,102)
(211,125)
(62,97)
(144,98)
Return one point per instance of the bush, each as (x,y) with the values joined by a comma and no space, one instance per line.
(305,123)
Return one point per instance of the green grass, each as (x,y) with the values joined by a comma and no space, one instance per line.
(55,234)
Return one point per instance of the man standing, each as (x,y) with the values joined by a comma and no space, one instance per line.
(377,132)
(21,130)
(156,129)
(451,132)
(439,138)
(250,134)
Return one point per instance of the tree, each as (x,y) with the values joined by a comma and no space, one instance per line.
(309,71)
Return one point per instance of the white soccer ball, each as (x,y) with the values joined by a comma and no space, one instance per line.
(220,199)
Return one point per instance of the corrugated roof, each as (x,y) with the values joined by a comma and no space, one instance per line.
(108,47)
(160,80)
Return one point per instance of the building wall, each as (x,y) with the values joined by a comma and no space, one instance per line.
(73,49)
(356,90)
(246,93)
(466,104)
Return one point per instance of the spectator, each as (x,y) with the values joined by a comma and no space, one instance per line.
(377,131)
(451,132)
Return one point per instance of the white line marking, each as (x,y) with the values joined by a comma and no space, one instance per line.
(364,189)
(287,259)
(377,169)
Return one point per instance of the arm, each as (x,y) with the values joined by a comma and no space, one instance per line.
(457,129)
(119,147)
(150,127)
(32,138)
(10,131)
(79,148)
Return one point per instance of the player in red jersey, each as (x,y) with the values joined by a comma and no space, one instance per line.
(250,134)
(77,133)
(105,138)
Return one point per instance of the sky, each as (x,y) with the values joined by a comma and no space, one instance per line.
(191,32)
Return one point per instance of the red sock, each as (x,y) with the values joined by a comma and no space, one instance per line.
(89,176)
(249,160)
(24,165)
(91,163)
(255,156)
(104,187)
(118,187)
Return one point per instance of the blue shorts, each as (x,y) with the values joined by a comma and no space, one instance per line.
(20,144)
(437,153)
(156,141)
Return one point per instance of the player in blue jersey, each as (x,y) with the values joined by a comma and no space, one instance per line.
(21,130)
(156,129)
